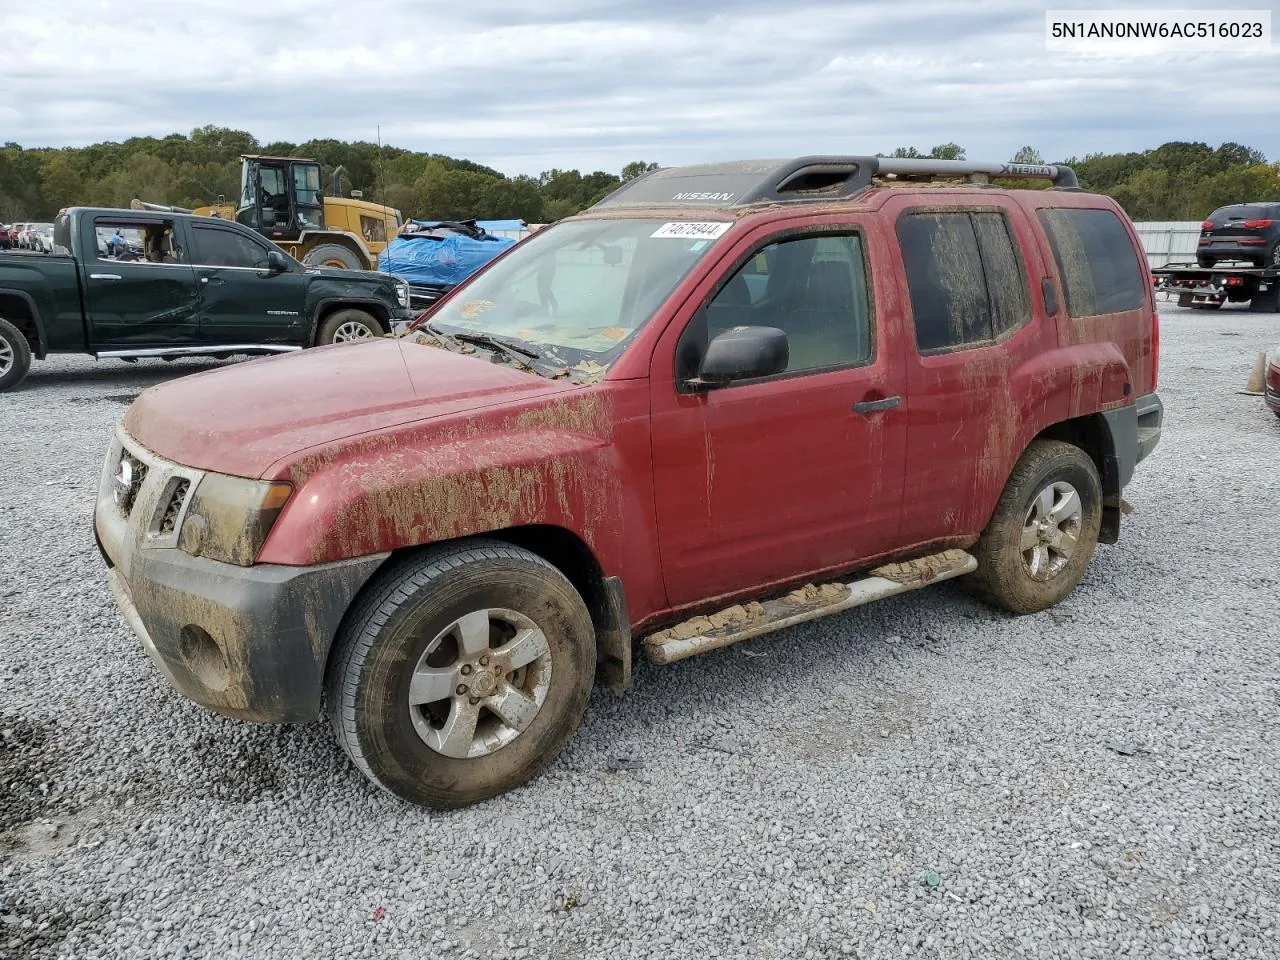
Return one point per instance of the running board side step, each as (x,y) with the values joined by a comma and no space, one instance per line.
(195,350)
(810,602)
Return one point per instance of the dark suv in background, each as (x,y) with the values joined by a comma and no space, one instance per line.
(1242,231)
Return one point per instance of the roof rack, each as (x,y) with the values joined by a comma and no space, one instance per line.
(746,182)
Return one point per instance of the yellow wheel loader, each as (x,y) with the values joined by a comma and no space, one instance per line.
(281,198)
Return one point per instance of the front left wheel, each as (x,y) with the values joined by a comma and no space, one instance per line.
(461,673)
(345,326)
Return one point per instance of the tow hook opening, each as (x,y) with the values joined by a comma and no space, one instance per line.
(204,657)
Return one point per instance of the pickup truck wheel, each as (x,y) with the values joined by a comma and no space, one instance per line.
(15,356)
(461,673)
(1044,530)
(343,326)
(333,255)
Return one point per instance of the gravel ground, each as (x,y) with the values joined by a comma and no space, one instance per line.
(919,778)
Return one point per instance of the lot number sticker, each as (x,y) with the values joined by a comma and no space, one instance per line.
(688,230)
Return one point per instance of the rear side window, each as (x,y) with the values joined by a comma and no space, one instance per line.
(965,276)
(1096,261)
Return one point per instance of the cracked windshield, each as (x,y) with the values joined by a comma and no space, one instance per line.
(575,293)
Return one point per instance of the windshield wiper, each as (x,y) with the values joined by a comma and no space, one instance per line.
(489,340)
(516,352)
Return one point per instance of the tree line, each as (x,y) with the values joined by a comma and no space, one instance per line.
(1175,181)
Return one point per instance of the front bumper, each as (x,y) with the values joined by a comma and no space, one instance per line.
(248,642)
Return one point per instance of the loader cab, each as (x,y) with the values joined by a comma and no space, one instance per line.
(280,197)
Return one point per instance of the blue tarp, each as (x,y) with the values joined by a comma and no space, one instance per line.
(439,261)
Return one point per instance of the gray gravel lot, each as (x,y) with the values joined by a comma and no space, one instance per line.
(924,777)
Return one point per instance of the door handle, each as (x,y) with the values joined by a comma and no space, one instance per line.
(104,276)
(865,407)
(214,280)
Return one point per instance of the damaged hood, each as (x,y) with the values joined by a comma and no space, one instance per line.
(241,419)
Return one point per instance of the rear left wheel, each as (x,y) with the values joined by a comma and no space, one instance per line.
(15,356)
(1043,532)
(462,673)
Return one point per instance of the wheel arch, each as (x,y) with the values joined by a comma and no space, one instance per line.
(1095,434)
(327,308)
(562,548)
(18,307)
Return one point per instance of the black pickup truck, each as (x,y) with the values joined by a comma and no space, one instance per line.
(127,284)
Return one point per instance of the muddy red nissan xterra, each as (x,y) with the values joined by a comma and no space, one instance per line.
(725,399)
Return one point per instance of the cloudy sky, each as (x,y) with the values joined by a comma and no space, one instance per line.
(526,85)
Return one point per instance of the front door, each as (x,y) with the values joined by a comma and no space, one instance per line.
(243,301)
(138,293)
(776,478)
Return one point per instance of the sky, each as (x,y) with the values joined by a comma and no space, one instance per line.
(530,85)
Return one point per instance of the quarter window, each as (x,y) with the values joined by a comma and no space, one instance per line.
(223,248)
(1096,261)
(967,282)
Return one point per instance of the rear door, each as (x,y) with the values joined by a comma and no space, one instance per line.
(772,479)
(134,301)
(974,321)
(242,301)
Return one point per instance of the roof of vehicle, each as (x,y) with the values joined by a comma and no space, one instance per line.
(813,179)
(266,156)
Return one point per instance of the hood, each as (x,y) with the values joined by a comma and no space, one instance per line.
(241,419)
(335,273)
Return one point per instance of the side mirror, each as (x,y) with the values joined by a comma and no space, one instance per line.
(744,353)
(277,262)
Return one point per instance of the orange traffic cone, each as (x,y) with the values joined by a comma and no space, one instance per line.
(1257,379)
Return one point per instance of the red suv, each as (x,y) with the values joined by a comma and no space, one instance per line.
(724,400)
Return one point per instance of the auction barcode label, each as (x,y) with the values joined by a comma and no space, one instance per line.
(689,230)
(1121,32)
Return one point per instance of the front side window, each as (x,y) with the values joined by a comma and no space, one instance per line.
(1096,261)
(580,290)
(813,289)
(225,248)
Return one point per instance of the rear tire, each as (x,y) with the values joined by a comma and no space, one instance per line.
(418,689)
(345,326)
(1205,261)
(333,255)
(15,356)
(1207,305)
(1043,532)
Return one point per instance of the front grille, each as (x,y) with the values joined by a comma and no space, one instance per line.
(173,506)
(129,476)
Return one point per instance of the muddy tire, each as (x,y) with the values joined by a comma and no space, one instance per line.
(346,326)
(1043,532)
(15,356)
(332,255)
(461,673)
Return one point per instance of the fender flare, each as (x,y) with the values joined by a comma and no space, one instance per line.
(42,342)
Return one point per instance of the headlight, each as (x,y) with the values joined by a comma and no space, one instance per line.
(402,294)
(229,518)
(1273,357)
